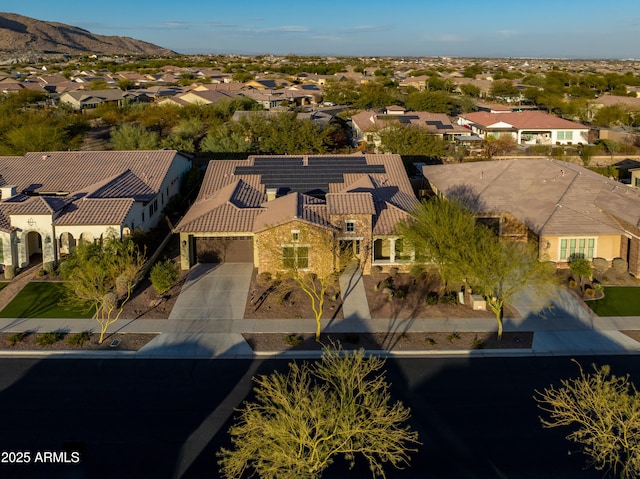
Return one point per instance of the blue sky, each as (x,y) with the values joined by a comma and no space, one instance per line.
(542,28)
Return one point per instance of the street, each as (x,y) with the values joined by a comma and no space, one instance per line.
(167,418)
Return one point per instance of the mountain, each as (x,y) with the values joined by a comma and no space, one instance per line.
(19,33)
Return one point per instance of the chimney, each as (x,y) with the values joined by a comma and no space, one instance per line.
(7,191)
(272,193)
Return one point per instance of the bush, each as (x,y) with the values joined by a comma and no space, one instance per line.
(477,343)
(589,292)
(164,275)
(400,294)
(620,265)
(432,299)
(430,341)
(376,270)
(17,338)
(47,339)
(264,277)
(79,339)
(293,339)
(449,298)
(572,283)
(600,265)
(454,337)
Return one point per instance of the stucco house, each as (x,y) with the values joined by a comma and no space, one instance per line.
(247,209)
(51,200)
(367,125)
(567,209)
(526,127)
(89,99)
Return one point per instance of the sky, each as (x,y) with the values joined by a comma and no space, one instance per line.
(465,28)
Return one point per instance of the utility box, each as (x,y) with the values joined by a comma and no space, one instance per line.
(478,303)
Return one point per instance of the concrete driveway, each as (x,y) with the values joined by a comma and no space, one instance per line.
(213,292)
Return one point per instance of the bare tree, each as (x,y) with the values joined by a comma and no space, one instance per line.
(603,412)
(300,422)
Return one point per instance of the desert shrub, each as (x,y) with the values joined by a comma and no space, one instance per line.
(572,283)
(600,265)
(589,292)
(79,339)
(264,277)
(164,275)
(393,272)
(454,337)
(620,265)
(293,339)
(352,338)
(432,298)
(598,287)
(449,298)
(477,343)
(17,338)
(40,273)
(387,283)
(46,339)
(430,341)
(400,294)
(418,272)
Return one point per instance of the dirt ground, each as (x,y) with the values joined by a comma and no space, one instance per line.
(287,301)
(112,342)
(411,303)
(437,341)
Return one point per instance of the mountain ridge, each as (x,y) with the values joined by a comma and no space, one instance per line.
(20,33)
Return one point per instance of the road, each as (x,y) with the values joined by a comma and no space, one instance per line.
(167,418)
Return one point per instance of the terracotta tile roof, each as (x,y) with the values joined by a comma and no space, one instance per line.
(523,120)
(124,185)
(231,199)
(95,211)
(436,123)
(551,197)
(351,203)
(70,171)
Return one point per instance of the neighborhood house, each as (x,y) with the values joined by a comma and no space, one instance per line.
(566,208)
(51,200)
(279,212)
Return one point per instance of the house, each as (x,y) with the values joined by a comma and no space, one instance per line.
(567,209)
(50,200)
(204,97)
(526,127)
(367,125)
(90,99)
(247,209)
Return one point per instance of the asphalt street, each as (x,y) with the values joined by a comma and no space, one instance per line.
(167,418)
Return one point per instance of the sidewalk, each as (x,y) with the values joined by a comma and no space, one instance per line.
(565,329)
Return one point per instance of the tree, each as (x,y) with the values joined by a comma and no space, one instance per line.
(299,423)
(411,140)
(497,145)
(503,89)
(133,137)
(164,275)
(603,412)
(446,232)
(470,90)
(98,277)
(580,266)
(500,269)
(432,101)
(309,260)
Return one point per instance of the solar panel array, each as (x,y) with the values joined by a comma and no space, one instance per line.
(292,173)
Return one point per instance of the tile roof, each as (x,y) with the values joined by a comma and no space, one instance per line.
(437,123)
(95,211)
(231,199)
(528,119)
(551,197)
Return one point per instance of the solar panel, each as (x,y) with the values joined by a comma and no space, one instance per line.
(316,175)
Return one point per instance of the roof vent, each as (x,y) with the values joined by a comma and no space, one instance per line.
(44,157)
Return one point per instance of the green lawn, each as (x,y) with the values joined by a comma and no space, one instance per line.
(3,284)
(618,301)
(40,300)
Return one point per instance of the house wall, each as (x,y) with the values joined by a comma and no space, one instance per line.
(320,241)
(363,225)
(607,247)
(630,247)
(577,136)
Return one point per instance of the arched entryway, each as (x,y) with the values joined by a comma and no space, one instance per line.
(33,246)
(67,243)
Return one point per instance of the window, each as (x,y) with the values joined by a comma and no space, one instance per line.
(295,257)
(349,226)
(295,235)
(582,247)
(565,135)
(637,182)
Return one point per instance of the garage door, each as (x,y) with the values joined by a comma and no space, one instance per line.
(224,249)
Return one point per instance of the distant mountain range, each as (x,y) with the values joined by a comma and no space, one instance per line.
(21,34)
